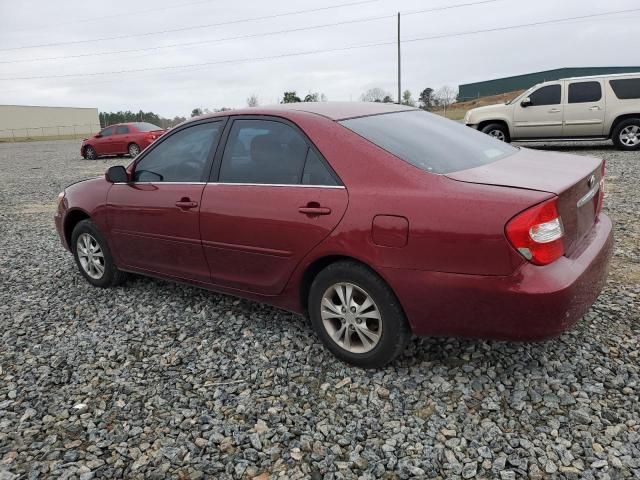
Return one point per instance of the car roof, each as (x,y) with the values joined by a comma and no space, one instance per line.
(331,110)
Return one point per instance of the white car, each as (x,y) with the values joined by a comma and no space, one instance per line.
(581,108)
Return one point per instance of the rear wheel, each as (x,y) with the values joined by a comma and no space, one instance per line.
(626,135)
(90,153)
(497,131)
(93,256)
(134,150)
(357,316)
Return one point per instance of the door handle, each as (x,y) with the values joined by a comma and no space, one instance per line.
(594,108)
(185,203)
(554,110)
(313,210)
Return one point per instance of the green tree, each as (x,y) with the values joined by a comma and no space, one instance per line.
(407,99)
(290,97)
(196,112)
(426,99)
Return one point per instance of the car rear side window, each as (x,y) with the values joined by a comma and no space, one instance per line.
(626,88)
(122,130)
(263,152)
(146,127)
(181,157)
(316,172)
(583,92)
(428,141)
(549,95)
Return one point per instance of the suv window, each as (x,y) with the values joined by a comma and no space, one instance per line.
(263,152)
(107,132)
(430,142)
(121,130)
(549,95)
(181,157)
(582,92)
(626,88)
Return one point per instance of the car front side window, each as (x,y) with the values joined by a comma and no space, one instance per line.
(548,95)
(182,157)
(107,132)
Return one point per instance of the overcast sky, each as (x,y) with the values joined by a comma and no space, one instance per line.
(341,75)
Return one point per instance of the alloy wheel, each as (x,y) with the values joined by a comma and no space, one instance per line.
(630,135)
(90,256)
(90,153)
(498,134)
(351,317)
(134,150)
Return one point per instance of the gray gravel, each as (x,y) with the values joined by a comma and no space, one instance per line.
(160,380)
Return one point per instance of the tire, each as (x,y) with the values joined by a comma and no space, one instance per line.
(390,328)
(87,238)
(497,131)
(90,153)
(134,150)
(626,135)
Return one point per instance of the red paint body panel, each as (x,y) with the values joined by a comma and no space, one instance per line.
(254,236)
(437,240)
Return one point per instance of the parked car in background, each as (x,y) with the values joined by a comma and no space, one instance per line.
(120,139)
(377,221)
(581,108)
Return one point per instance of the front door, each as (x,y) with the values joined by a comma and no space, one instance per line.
(275,199)
(154,219)
(542,117)
(103,144)
(584,109)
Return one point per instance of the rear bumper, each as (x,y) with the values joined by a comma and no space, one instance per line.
(532,304)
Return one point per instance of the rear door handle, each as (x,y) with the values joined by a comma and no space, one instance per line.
(186,204)
(315,210)
(595,108)
(554,110)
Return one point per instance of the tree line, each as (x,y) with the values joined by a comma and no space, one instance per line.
(429,99)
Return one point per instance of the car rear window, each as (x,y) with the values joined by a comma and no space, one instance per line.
(627,88)
(428,141)
(146,127)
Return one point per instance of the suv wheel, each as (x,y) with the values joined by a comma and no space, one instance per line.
(497,131)
(626,135)
(357,316)
(93,256)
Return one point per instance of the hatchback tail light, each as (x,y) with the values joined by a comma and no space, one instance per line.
(537,233)
(601,191)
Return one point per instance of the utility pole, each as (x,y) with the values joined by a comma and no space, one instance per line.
(399,65)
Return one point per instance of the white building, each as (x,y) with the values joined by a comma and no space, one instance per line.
(18,122)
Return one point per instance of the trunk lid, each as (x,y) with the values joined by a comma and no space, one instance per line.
(574,179)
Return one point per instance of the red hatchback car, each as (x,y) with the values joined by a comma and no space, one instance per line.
(120,139)
(377,221)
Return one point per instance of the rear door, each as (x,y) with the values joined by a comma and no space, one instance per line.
(272,198)
(543,117)
(154,220)
(120,139)
(584,109)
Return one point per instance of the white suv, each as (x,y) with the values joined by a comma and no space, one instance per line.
(582,108)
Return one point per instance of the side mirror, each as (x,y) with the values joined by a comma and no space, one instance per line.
(525,103)
(98,135)
(116,174)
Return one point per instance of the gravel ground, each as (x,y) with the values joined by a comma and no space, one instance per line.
(161,380)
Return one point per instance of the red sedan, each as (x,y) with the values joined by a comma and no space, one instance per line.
(376,221)
(120,139)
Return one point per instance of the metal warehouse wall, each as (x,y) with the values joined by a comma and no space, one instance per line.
(21,122)
(522,82)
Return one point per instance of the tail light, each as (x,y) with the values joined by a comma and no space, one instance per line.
(601,191)
(152,136)
(537,233)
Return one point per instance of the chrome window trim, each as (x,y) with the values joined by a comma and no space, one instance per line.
(234,184)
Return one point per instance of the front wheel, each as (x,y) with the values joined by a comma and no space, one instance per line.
(357,316)
(626,135)
(93,256)
(497,131)
(90,153)
(134,150)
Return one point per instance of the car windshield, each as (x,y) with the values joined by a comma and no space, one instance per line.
(146,127)
(428,141)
